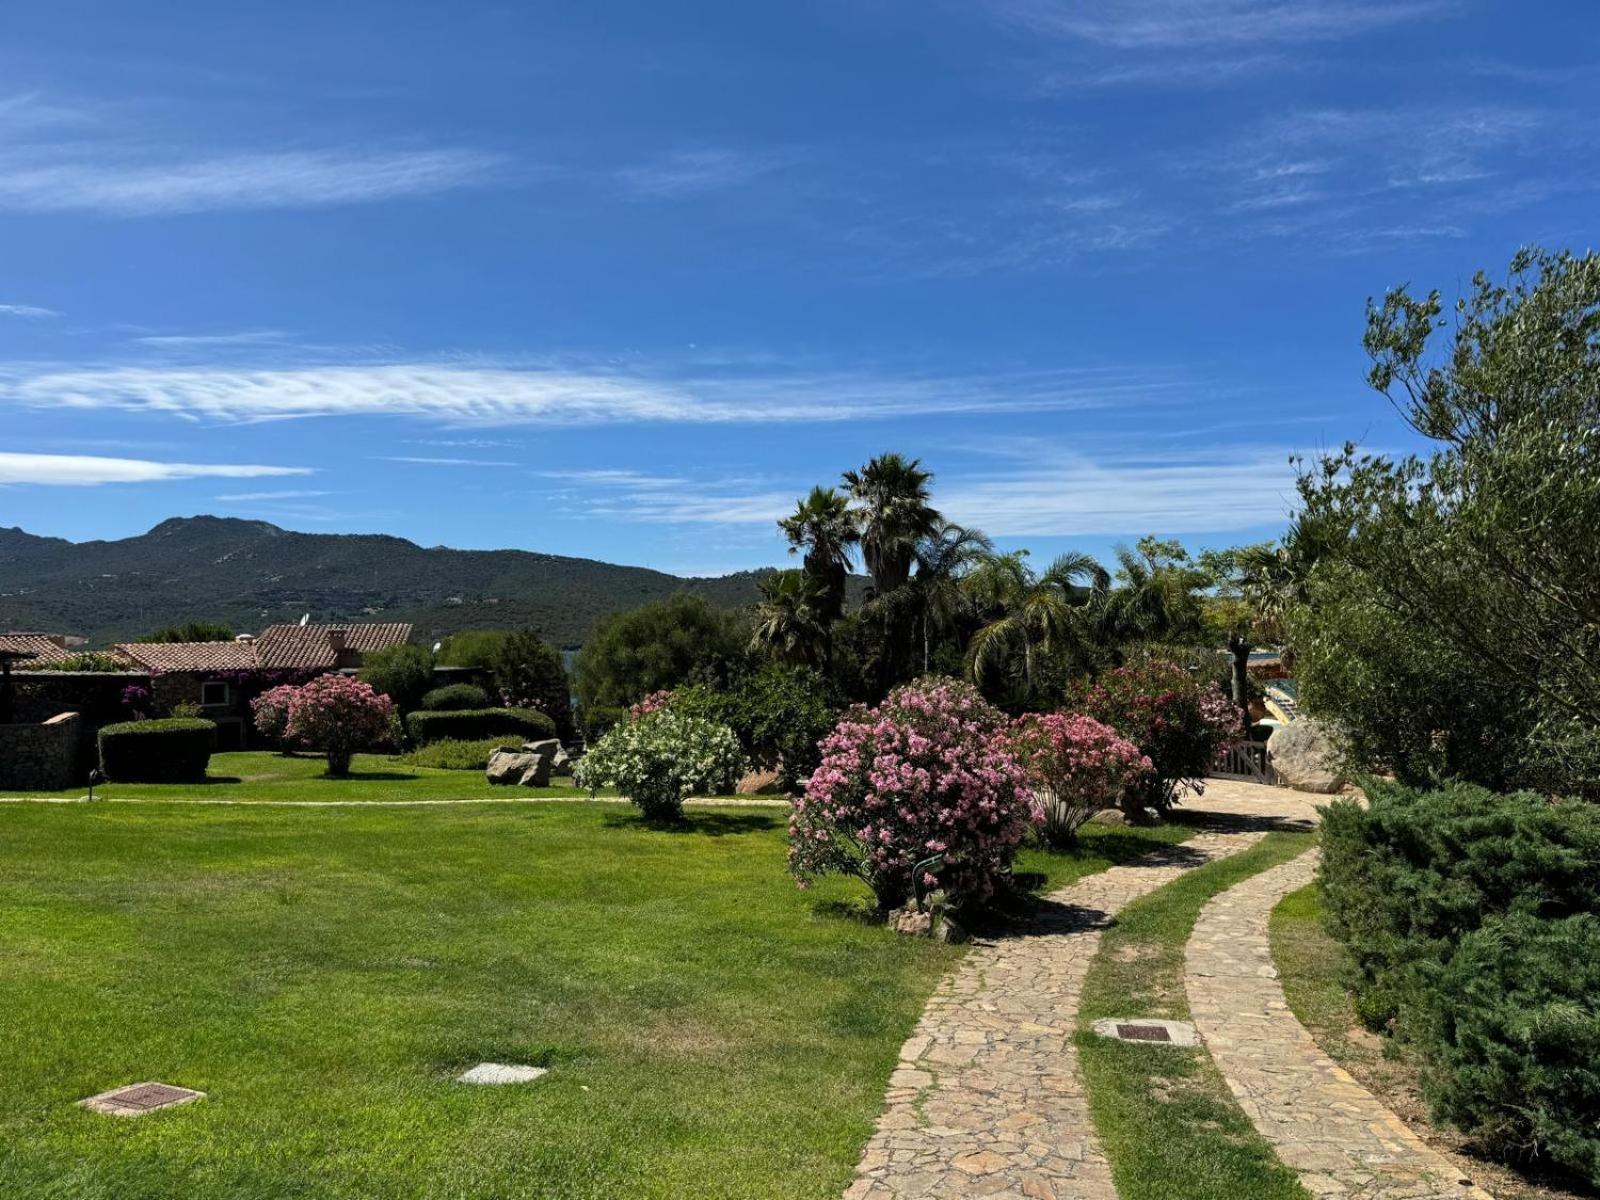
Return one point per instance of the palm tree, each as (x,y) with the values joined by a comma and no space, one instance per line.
(893,514)
(944,558)
(822,525)
(1033,613)
(789,621)
(1155,598)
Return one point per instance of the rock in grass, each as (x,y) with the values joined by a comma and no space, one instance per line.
(509,766)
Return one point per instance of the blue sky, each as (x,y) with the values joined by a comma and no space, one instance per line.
(622,279)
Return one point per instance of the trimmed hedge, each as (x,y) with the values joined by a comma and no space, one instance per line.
(478,724)
(175,750)
(1473,921)
(454,697)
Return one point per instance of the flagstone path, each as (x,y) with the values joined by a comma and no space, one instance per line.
(988,1100)
(1323,1124)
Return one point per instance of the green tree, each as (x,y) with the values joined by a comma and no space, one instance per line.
(528,673)
(791,623)
(191,631)
(1030,615)
(1156,598)
(473,648)
(1455,630)
(894,513)
(654,648)
(822,526)
(402,673)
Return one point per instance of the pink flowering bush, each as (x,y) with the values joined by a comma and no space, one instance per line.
(1077,767)
(270,711)
(927,775)
(339,716)
(1181,723)
(653,703)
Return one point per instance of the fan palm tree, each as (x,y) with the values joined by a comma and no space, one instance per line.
(789,619)
(822,526)
(1033,613)
(943,559)
(893,514)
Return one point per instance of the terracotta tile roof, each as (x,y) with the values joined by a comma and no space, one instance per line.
(190,656)
(313,646)
(43,646)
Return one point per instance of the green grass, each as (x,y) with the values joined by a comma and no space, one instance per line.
(259,775)
(323,973)
(1312,966)
(1168,1123)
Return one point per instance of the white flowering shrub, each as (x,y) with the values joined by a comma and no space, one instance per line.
(660,759)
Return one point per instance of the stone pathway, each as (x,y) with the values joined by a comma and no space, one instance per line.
(1322,1123)
(987,1100)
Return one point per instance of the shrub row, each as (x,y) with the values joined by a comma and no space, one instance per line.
(477,724)
(454,697)
(454,755)
(1473,920)
(176,750)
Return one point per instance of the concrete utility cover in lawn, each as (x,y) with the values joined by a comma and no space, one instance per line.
(1148,1030)
(501,1073)
(139,1098)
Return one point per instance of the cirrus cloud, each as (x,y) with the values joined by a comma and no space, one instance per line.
(83,470)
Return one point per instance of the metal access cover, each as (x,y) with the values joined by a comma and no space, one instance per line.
(139,1098)
(1150,1030)
(1143,1033)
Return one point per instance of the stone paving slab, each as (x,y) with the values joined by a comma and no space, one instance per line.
(1341,1139)
(988,1100)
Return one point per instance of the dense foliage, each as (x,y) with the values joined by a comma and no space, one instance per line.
(339,715)
(456,755)
(1463,910)
(1451,621)
(174,750)
(1076,766)
(454,696)
(654,648)
(778,713)
(402,673)
(190,631)
(922,783)
(661,759)
(1178,721)
(529,673)
(88,660)
(476,724)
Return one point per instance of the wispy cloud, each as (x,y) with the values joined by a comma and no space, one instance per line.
(184,341)
(26,310)
(444,462)
(293,494)
(95,177)
(79,470)
(498,395)
(636,496)
(1052,493)
(689,172)
(1198,24)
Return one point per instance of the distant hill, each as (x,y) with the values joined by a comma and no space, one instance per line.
(250,574)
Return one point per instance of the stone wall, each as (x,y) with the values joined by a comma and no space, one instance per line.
(96,696)
(41,757)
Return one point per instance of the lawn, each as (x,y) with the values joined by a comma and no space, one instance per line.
(1165,1116)
(322,973)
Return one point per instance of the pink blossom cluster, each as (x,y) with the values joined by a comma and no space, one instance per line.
(927,775)
(1077,766)
(338,715)
(270,710)
(653,703)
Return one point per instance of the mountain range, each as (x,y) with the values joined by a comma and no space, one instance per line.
(249,574)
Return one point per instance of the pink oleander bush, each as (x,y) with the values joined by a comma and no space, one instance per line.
(339,716)
(1181,723)
(653,703)
(1077,767)
(927,774)
(270,711)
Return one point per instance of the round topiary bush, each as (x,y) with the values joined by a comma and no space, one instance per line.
(476,724)
(924,781)
(661,759)
(454,697)
(175,750)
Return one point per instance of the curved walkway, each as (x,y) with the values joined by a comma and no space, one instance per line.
(1323,1124)
(987,1100)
